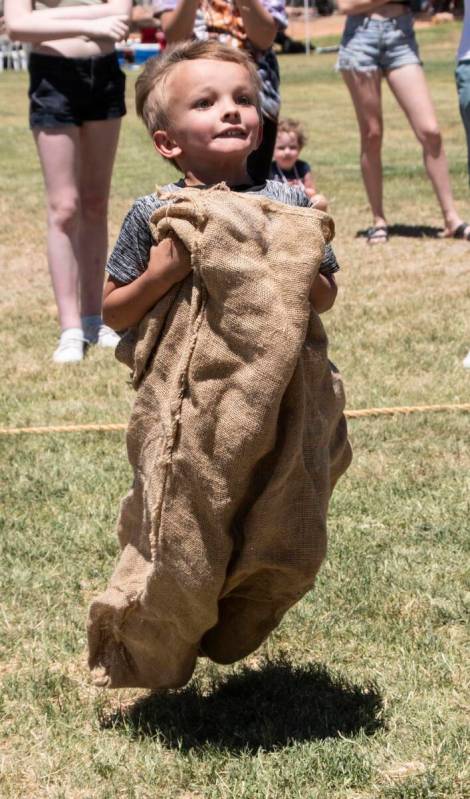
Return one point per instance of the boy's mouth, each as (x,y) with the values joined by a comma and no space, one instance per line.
(231,133)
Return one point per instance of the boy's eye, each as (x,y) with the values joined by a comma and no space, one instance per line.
(202,103)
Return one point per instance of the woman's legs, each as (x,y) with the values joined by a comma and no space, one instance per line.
(365,90)
(77,166)
(58,154)
(408,84)
(98,145)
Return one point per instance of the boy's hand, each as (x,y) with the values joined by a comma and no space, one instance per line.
(169,260)
(125,305)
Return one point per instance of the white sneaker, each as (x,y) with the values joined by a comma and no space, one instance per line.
(71,346)
(107,337)
(96,332)
(466,361)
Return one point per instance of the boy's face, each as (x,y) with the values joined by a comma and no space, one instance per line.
(286,151)
(214,120)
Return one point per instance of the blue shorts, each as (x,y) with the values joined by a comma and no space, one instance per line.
(71,91)
(462,77)
(370,44)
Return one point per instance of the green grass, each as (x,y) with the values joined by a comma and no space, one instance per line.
(362,692)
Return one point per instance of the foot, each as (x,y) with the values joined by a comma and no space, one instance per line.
(378,234)
(107,337)
(460,231)
(96,332)
(71,347)
(466,361)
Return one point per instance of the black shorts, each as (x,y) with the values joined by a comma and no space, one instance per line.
(71,91)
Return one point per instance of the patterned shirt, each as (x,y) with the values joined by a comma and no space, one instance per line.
(221,19)
(131,253)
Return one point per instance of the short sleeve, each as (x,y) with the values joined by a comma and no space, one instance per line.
(303,168)
(329,265)
(131,252)
(277,9)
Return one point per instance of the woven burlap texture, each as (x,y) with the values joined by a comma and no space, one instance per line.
(236,439)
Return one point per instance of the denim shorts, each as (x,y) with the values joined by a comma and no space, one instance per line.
(462,78)
(369,44)
(71,91)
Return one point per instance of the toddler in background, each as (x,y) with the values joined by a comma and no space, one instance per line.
(289,168)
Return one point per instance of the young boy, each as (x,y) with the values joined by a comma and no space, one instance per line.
(287,166)
(237,435)
(214,125)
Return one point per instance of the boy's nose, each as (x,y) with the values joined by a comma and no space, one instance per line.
(230,111)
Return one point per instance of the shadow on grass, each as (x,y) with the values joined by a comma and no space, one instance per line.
(408,232)
(256,709)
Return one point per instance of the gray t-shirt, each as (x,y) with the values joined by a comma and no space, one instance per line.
(131,253)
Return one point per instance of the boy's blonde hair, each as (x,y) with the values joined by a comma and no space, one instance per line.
(150,100)
(293,126)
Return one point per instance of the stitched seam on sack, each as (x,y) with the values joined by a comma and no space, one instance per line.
(198,302)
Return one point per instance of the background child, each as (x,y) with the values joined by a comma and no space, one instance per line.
(288,168)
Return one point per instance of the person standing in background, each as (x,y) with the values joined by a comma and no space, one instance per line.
(76,103)
(379,42)
(462,77)
(249,24)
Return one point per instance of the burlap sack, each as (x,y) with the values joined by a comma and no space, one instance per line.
(236,439)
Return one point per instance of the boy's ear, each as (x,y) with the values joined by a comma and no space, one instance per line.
(165,145)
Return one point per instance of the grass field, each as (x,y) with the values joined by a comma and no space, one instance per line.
(362,693)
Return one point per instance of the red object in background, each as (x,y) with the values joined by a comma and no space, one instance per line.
(153,36)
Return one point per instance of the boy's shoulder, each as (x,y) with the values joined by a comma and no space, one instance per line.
(143,207)
(148,203)
(285,193)
(302,167)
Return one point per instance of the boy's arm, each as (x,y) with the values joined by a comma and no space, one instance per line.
(125,305)
(323,292)
(324,289)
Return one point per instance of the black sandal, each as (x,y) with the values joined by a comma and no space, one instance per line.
(377,234)
(459,232)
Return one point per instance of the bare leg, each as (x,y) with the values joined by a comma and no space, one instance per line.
(365,90)
(409,86)
(58,151)
(98,144)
